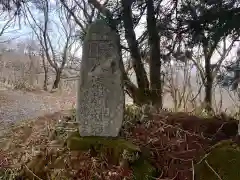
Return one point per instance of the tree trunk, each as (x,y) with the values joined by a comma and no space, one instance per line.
(130,36)
(45,83)
(57,79)
(32,73)
(45,68)
(236,79)
(208,85)
(155,61)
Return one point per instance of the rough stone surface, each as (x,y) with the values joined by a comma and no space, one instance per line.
(100,96)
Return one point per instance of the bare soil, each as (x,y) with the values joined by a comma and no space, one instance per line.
(20,105)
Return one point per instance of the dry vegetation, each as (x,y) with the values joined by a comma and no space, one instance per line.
(172,143)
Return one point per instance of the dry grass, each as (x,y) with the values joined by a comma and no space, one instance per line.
(41,140)
(4,99)
(174,142)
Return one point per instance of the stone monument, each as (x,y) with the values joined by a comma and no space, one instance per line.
(100,96)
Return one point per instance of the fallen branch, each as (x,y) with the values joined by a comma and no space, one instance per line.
(210,167)
(32,173)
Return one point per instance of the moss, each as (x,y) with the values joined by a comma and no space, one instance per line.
(143,170)
(223,160)
(113,147)
(119,148)
(76,142)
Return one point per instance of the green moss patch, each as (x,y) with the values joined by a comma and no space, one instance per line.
(143,170)
(75,142)
(222,162)
(110,146)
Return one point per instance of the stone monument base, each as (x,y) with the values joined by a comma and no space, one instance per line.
(75,142)
(123,153)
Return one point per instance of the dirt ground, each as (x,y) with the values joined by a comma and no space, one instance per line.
(19,105)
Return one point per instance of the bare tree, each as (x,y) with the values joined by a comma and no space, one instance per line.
(56,58)
(5,26)
(207,70)
(45,68)
(7,22)
(177,81)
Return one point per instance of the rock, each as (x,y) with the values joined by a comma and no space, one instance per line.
(100,96)
(222,162)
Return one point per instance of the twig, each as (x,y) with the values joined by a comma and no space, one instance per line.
(193,172)
(181,159)
(32,173)
(180,129)
(213,170)
(203,158)
(220,128)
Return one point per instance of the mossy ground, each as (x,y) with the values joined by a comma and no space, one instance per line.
(76,142)
(120,150)
(222,162)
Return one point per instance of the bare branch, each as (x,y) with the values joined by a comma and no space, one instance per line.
(71,11)
(224,54)
(6,25)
